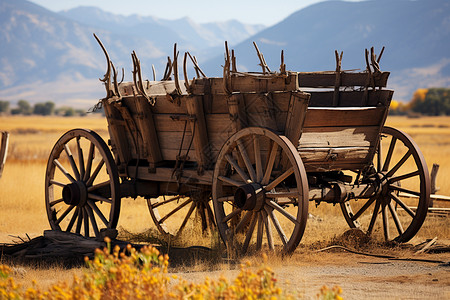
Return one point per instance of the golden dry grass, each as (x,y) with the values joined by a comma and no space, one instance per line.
(22,206)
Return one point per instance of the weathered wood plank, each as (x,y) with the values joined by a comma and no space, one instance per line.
(334,158)
(146,124)
(327,79)
(296,116)
(199,132)
(119,136)
(341,117)
(331,137)
(350,98)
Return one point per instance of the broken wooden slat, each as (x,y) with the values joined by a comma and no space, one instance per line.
(3,150)
(296,115)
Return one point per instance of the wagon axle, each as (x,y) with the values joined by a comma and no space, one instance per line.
(250,197)
(75,193)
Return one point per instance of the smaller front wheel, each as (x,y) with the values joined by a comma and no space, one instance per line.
(82,192)
(260,192)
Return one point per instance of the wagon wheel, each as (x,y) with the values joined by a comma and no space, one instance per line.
(82,192)
(173,214)
(260,192)
(403,193)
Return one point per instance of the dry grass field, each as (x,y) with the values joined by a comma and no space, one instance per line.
(22,207)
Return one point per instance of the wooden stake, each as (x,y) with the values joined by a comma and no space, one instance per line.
(3,150)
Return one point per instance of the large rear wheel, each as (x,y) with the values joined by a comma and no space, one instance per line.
(398,209)
(260,192)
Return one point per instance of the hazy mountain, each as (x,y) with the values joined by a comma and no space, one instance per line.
(416,35)
(53,56)
(186,32)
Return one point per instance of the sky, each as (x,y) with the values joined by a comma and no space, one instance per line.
(266,12)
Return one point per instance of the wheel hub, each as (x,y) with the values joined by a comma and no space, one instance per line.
(250,197)
(75,193)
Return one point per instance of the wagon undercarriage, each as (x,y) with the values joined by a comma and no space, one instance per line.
(244,153)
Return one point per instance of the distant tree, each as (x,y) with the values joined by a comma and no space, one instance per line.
(70,112)
(433,101)
(24,108)
(4,107)
(44,109)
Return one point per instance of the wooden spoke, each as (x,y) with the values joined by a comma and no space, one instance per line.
(399,164)
(389,154)
(165,201)
(80,159)
(282,211)
(72,162)
(89,161)
(363,208)
(246,160)
(244,221)
(95,173)
(93,221)
(231,215)
(175,210)
(396,219)
(186,218)
(229,181)
(99,198)
(249,234)
(270,163)
(86,222)
(225,199)
(259,233)
(238,169)
(64,214)
(94,207)
(79,220)
(210,214)
(385,222)
(374,216)
(268,230)
(63,170)
(279,179)
(288,194)
(72,220)
(57,183)
(53,203)
(403,205)
(92,188)
(404,190)
(379,162)
(403,177)
(277,225)
(258,163)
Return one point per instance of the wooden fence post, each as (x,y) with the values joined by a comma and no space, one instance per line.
(3,150)
(433,175)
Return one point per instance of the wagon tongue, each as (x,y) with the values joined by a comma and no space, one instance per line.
(250,197)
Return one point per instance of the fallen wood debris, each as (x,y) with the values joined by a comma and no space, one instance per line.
(70,249)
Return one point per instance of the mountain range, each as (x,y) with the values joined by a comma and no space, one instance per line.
(53,56)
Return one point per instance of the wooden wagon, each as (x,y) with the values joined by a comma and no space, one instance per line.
(244,153)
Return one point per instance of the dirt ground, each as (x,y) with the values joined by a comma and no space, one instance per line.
(360,277)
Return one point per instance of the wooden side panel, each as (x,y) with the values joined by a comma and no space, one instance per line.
(341,117)
(327,79)
(350,98)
